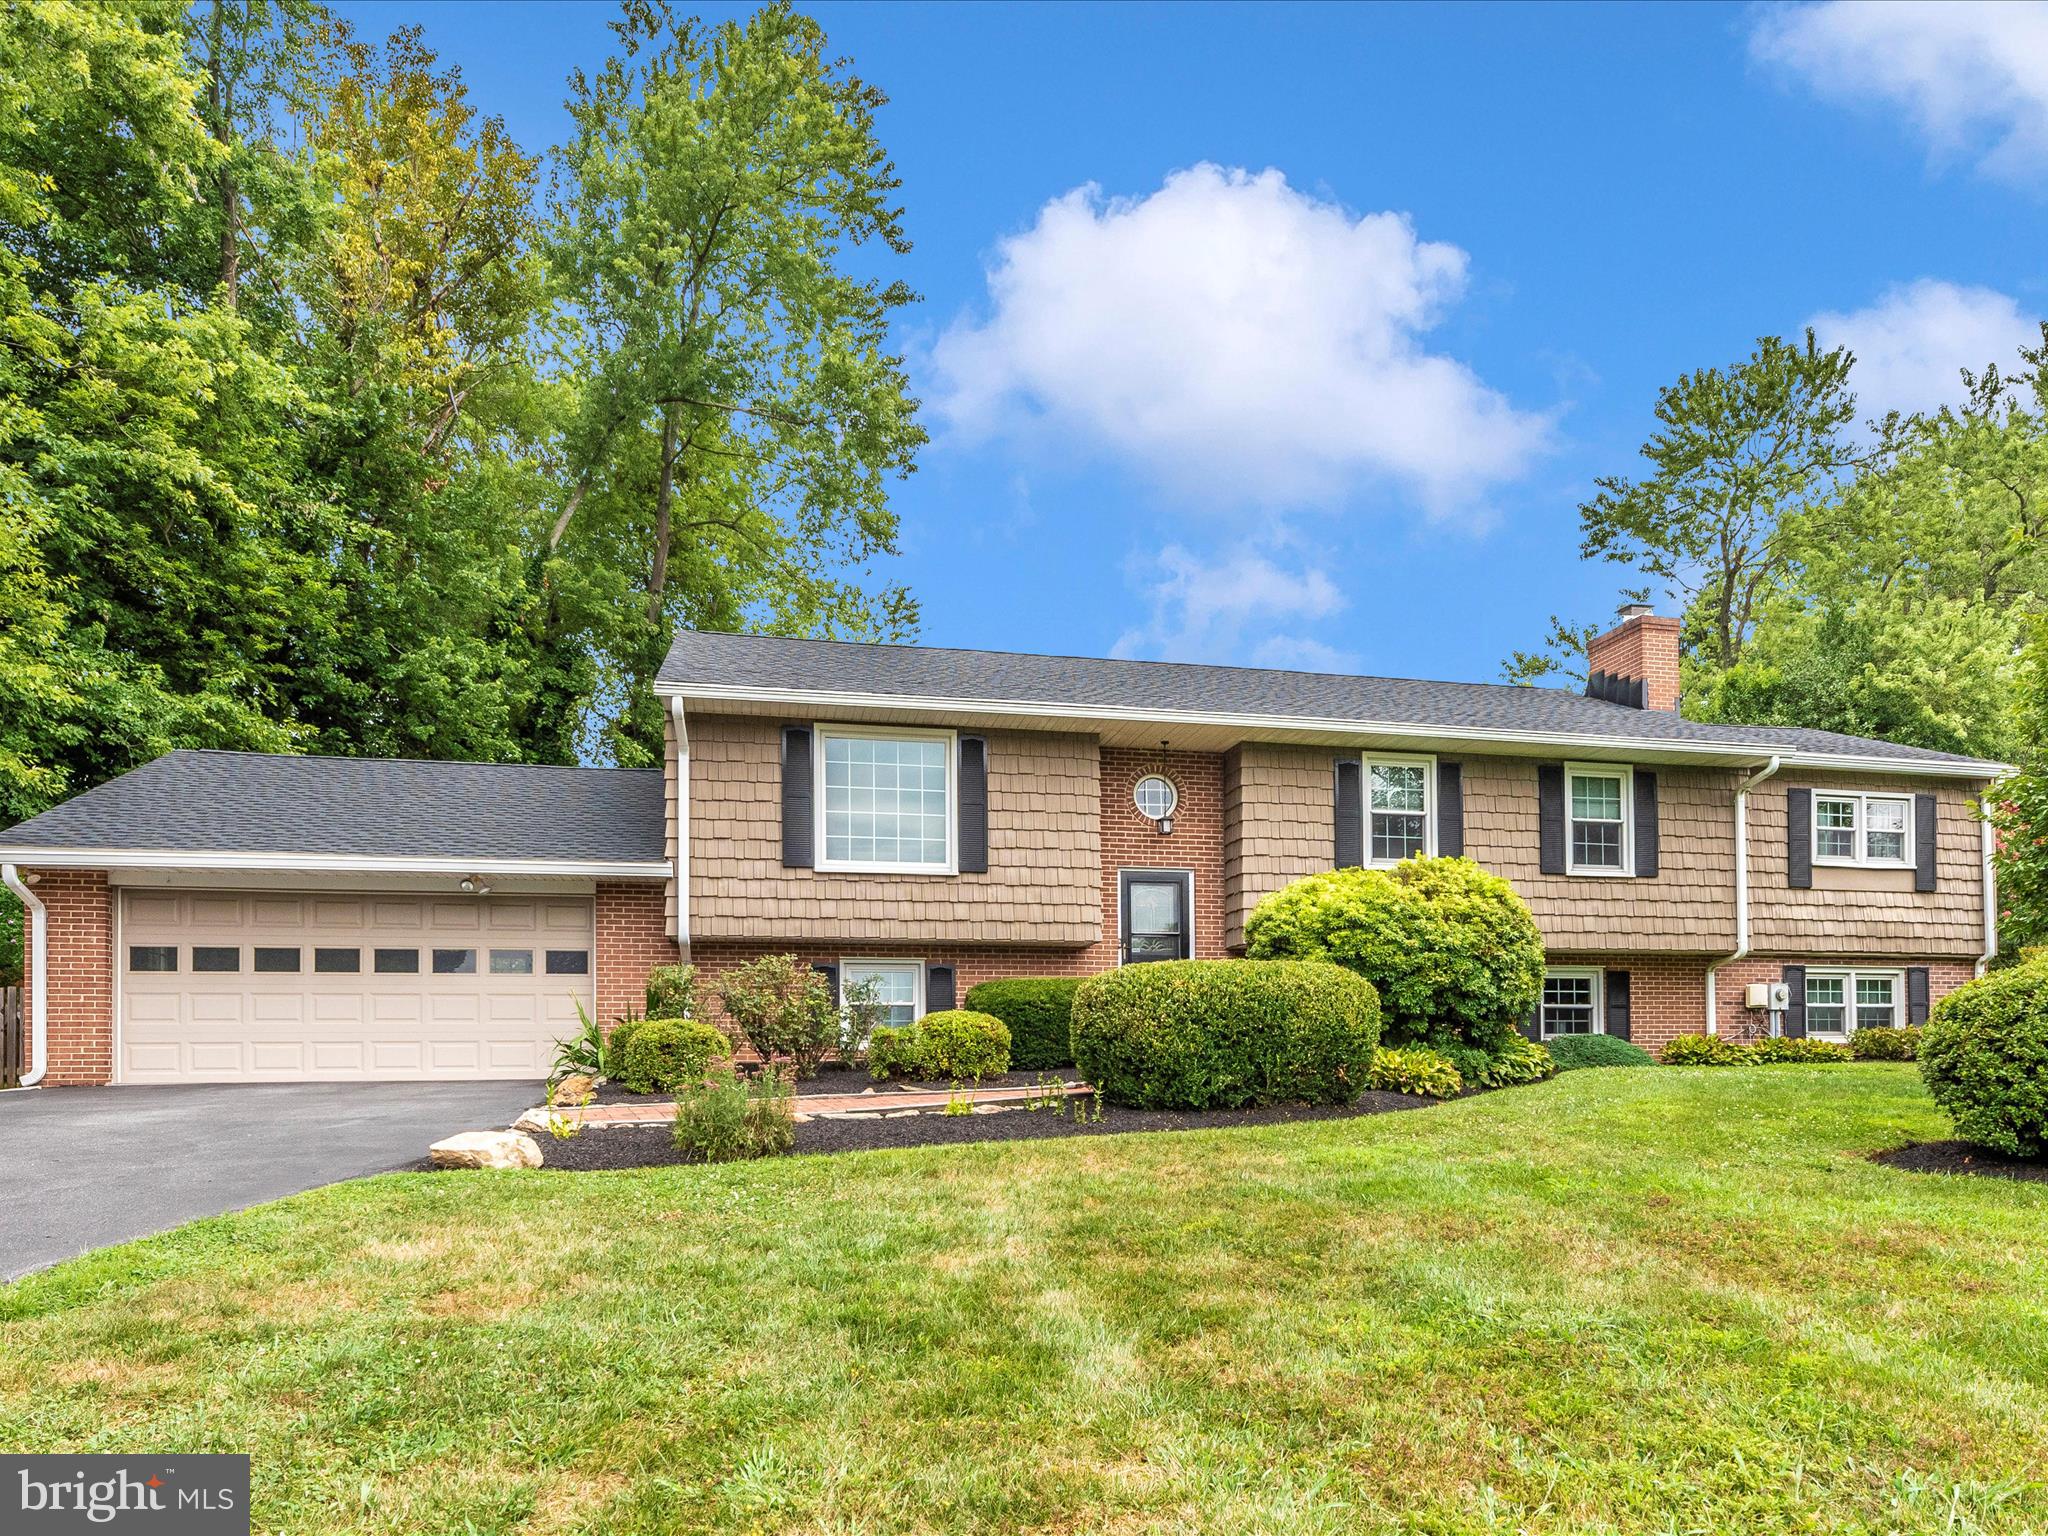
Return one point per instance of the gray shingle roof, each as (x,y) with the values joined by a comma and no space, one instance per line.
(774,664)
(253,802)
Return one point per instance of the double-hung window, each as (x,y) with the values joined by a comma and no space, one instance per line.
(1398,808)
(887,800)
(1598,798)
(1863,829)
(899,987)
(1840,1002)
(1571,1003)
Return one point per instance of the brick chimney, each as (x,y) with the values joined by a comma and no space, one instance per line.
(1636,662)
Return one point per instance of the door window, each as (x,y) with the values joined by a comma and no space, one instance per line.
(1155,911)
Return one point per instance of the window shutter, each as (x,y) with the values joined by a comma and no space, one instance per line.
(797,826)
(1450,810)
(1533,1025)
(1794,978)
(1646,825)
(1916,994)
(830,975)
(973,809)
(1550,818)
(1616,983)
(1923,842)
(938,988)
(1799,839)
(1350,814)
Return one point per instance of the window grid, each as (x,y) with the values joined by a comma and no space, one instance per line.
(1863,829)
(1597,813)
(1840,1002)
(898,985)
(886,801)
(1155,797)
(1397,809)
(1571,1004)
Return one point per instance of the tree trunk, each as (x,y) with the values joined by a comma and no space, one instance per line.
(664,521)
(230,244)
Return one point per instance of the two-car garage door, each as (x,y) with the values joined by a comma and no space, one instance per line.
(224,986)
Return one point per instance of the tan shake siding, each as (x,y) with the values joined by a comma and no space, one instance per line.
(1279,813)
(1044,880)
(1868,912)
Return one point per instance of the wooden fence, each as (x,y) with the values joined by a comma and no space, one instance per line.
(13,1037)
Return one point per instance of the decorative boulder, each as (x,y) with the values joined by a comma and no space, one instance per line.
(486,1149)
(576,1088)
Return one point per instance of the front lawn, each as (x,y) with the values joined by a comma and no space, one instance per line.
(1643,1301)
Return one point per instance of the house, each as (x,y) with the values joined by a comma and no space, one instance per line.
(932,818)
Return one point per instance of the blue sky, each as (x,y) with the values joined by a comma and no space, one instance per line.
(1296,336)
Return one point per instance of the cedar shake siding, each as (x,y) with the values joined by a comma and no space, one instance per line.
(1042,888)
(1278,810)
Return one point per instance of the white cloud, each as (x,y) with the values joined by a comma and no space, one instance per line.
(1234,338)
(1913,343)
(1973,76)
(1234,609)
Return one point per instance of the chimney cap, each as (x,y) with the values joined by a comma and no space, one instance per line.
(1634,610)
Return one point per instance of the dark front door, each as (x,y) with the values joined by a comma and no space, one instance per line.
(1156,909)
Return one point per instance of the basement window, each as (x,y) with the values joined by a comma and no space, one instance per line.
(1571,1004)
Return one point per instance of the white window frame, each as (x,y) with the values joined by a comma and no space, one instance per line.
(1627,775)
(1591,973)
(1405,760)
(1861,858)
(1849,976)
(820,734)
(1172,790)
(886,963)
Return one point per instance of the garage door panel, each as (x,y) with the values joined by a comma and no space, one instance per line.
(397,1057)
(275,1008)
(454,916)
(271,913)
(511,916)
(154,909)
(226,911)
(285,1057)
(337,1007)
(219,1056)
(406,915)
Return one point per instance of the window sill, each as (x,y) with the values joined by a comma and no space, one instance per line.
(884,869)
(1905,864)
(1600,874)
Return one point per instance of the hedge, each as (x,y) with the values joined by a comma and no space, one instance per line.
(1572,1052)
(960,1043)
(1040,1013)
(1984,1057)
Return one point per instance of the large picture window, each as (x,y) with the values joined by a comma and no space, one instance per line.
(1397,808)
(1571,1004)
(1597,803)
(887,801)
(1863,829)
(1838,1003)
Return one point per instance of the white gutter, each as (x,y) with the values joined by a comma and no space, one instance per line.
(682,866)
(336,863)
(36,971)
(1990,898)
(1741,884)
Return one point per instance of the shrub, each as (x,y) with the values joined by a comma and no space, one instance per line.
(1452,951)
(1520,1061)
(616,1042)
(583,1051)
(783,1009)
(1191,1034)
(1704,1051)
(1984,1057)
(1572,1052)
(861,1011)
(1040,1013)
(959,1043)
(1899,1043)
(724,1118)
(1417,1070)
(1776,1049)
(663,1055)
(672,992)
(894,1052)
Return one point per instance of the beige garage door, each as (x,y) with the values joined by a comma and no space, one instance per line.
(223,986)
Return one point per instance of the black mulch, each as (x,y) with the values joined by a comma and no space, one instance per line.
(836,1079)
(1957,1157)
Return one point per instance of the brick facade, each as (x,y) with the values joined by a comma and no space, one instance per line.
(81,1002)
(1735,1022)
(1130,840)
(632,938)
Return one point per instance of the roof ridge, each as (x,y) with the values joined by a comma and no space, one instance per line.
(413,762)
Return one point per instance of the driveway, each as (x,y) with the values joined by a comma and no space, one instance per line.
(84,1167)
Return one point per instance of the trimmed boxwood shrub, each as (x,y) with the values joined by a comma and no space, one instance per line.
(1197,1034)
(1984,1057)
(960,1043)
(1452,951)
(1040,1013)
(665,1054)
(1572,1052)
(1901,1042)
(895,1051)
(615,1045)
(1417,1070)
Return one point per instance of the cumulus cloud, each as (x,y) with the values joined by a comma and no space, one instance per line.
(1232,336)
(1913,343)
(1972,76)
(1237,608)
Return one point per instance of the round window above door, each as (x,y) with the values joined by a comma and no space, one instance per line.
(1155,796)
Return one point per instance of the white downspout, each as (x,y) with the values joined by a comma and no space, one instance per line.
(1990,898)
(37,973)
(682,872)
(1741,885)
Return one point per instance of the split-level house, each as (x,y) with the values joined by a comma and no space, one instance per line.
(933,818)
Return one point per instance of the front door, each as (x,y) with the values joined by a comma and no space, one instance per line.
(1156,906)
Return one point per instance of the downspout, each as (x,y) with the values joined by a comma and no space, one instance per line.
(1990,898)
(1741,885)
(682,869)
(37,973)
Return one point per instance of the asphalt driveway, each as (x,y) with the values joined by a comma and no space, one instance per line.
(84,1167)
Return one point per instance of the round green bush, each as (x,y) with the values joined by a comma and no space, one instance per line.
(1040,1013)
(1984,1057)
(960,1043)
(1572,1052)
(1192,1034)
(665,1054)
(1452,951)
(615,1045)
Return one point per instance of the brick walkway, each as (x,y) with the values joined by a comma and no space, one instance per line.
(881,1102)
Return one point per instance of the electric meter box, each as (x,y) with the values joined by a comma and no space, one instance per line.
(1773,995)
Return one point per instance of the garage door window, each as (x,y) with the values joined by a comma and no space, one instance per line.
(334,961)
(276,961)
(398,962)
(568,962)
(153,957)
(454,962)
(511,962)
(216,957)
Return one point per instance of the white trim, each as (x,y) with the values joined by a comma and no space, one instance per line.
(331,863)
(1990,848)
(1741,887)
(682,865)
(1849,975)
(1172,789)
(1187,917)
(820,733)
(1426,761)
(1642,748)
(35,971)
(911,963)
(1860,831)
(1591,973)
(1627,868)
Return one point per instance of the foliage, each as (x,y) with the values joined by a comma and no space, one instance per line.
(672,992)
(1716,1051)
(861,1011)
(1414,1069)
(961,1044)
(1572,1052)
(1984,1057)
(783,1009)
(1703,1051)
(896,1052)
(1040,1013)
(1452,951)
(1200,1034)
(724,1118)
(1518,1062)
(583,1051)
(616,1042)
(1899,1043)
(664,1055)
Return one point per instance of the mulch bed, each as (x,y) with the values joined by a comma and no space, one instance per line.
(836,1079)
(1956,1157)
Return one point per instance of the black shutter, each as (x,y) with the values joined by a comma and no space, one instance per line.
(1350,815)
(938,988)
(1550,818)
(1617,1004)
(797,839)
(1450,810)
(1794,978)
(1533,1025)
(1646,825)
(973,806)
(1916,994)
(830,974)
(1923,842)
(1799,839)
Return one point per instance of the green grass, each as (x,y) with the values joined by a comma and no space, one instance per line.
(1636,1302)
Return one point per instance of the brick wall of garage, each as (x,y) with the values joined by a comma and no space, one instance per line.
(81,961)
(632,936)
